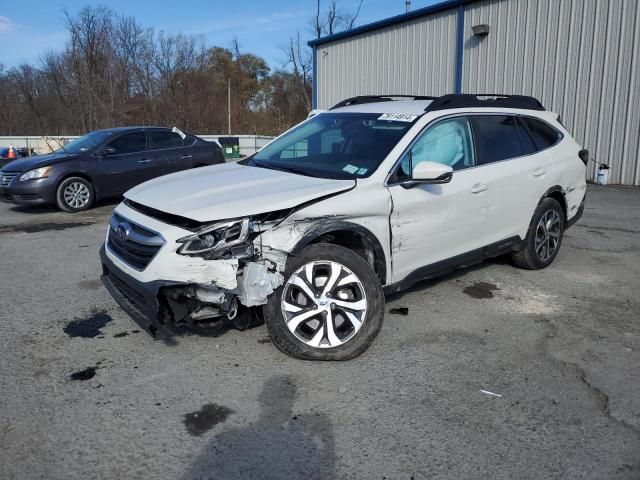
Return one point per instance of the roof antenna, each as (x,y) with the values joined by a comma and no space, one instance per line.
(407,5)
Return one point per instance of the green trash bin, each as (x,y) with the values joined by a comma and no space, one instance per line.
(230,147)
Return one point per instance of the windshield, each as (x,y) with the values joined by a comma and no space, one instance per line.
(336,145)
(85,143)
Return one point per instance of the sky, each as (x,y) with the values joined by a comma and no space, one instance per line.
(29,28)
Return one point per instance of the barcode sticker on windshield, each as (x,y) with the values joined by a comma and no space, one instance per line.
(398,117)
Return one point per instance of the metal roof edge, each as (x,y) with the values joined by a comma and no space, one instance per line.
(404,17)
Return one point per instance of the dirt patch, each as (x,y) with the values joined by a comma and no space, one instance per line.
(206,418)
(90,284)
(481,290)
(42,227)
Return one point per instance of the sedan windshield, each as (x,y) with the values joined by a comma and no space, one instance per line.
(85,143)
(336,145)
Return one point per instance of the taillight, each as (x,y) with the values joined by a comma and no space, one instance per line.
(584,156)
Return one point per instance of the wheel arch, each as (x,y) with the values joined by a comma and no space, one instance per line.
(352,236)
(557,193)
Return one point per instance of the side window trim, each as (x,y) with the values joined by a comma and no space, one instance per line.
(397,164)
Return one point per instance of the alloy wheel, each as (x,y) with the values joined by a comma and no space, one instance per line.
(324,304)
(547,235)
(76,195)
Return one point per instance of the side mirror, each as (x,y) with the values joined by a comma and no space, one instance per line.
(107,151)
(431,172)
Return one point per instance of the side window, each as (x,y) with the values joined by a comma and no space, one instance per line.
(498,137)
(543,135)
(160,139)
(447,142)
(129,143)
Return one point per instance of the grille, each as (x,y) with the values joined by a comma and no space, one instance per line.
(7,178)
(133,244)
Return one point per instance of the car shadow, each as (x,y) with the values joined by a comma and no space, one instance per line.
(280,444)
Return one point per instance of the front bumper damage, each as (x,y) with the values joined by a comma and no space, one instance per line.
(162,306)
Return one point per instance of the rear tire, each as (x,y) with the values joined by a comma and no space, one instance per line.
(75,194)
(543,238)
(339,298)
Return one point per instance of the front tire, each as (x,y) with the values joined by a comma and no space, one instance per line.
(543,238)
(75,194)
(330,307)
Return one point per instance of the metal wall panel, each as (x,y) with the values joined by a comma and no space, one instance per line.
(416,57)
(580,57)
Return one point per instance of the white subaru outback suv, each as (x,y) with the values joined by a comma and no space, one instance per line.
(368,197)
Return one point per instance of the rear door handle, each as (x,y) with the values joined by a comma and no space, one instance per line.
(479,188)
(146,160)
(185,157)
(539,172)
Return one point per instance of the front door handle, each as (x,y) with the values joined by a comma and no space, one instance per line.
(479,188)
(539,172)
(185,157)
(146,160)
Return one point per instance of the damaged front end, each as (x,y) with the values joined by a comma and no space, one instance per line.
(240,275)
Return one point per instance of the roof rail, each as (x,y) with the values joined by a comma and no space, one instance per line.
(359,100)
(494,100)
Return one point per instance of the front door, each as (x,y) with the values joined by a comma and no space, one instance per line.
(435,222)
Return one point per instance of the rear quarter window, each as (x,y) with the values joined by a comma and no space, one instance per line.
(542,134)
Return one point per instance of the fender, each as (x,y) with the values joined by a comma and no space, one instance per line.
(369,239)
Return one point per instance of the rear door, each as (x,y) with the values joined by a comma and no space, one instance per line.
(435,222)
(516,173)
(127,165)
(168,151)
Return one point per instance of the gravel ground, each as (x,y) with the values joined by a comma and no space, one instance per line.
(84,394)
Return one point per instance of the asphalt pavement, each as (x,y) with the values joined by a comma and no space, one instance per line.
(490,372)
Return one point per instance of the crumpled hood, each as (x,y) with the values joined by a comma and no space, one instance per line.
(231,190)
(22,165)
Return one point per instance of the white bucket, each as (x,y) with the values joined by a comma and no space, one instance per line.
(603,175)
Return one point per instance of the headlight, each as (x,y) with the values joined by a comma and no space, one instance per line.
(37,173)
(217,238)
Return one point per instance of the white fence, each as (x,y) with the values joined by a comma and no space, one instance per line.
(46,144)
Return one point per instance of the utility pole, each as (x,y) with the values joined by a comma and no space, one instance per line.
(407,5)
(229,103)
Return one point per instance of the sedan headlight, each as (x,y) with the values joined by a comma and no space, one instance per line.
(37,173)
(216,238)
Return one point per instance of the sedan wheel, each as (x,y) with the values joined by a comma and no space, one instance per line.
(76,195)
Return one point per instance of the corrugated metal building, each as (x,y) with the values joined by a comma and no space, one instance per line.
(581,58)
